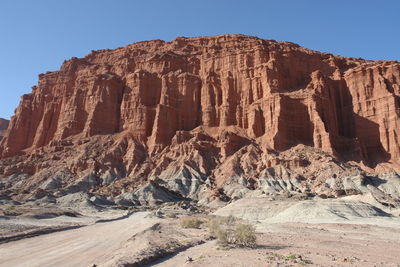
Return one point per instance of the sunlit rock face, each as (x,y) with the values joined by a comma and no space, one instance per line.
(220,107)
(3,127)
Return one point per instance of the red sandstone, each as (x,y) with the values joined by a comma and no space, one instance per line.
(198,101)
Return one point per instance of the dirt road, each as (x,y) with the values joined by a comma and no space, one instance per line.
(278,244)
(79,247)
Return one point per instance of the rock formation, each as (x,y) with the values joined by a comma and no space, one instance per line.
(3,127)
(198,117)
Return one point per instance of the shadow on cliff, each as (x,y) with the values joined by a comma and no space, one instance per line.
(294,124)
(352,136)
(371,146)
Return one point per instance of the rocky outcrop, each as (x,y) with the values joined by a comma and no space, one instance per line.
(278,91)
(196,117)
(3,127)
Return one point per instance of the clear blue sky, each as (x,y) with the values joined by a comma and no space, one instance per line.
(37,35)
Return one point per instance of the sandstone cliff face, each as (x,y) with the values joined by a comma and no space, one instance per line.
(278,91)
(195,108)
(3,127)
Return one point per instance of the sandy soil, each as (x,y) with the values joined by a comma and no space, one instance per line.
(142,238)
(35,220)
(79,247)
(288,244)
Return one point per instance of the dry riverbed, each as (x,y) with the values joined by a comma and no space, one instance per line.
(152,238)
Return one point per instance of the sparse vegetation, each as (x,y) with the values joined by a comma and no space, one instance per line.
(172,245)
(171,215)
(292,258)
(191,223)
(223,236)
(227,230)
(245,235)
(230,232)
(215,224)
(298,258)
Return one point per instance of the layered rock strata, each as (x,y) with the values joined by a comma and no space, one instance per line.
(188,117)
(3,127)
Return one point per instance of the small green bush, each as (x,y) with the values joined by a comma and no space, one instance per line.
(191,223)
(291,257)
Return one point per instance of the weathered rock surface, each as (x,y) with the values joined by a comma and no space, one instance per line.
(3,127)
(316,211)
(206,118)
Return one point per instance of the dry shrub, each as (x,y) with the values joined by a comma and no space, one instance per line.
(171,215)
(229,232)
(245,235)
(191,223)
(215,224)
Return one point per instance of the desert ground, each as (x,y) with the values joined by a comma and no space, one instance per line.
(75,247)
(305,233)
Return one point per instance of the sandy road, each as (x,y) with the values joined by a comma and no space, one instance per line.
(79,247)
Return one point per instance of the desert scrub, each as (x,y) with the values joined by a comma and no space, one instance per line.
(228,231)
(217,223)
(191,223)
(171,215)
(245,235)
(298,259)
(291,257)
(173,245)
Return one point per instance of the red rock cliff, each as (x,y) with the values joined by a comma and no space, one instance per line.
(3,127)
(279,94)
